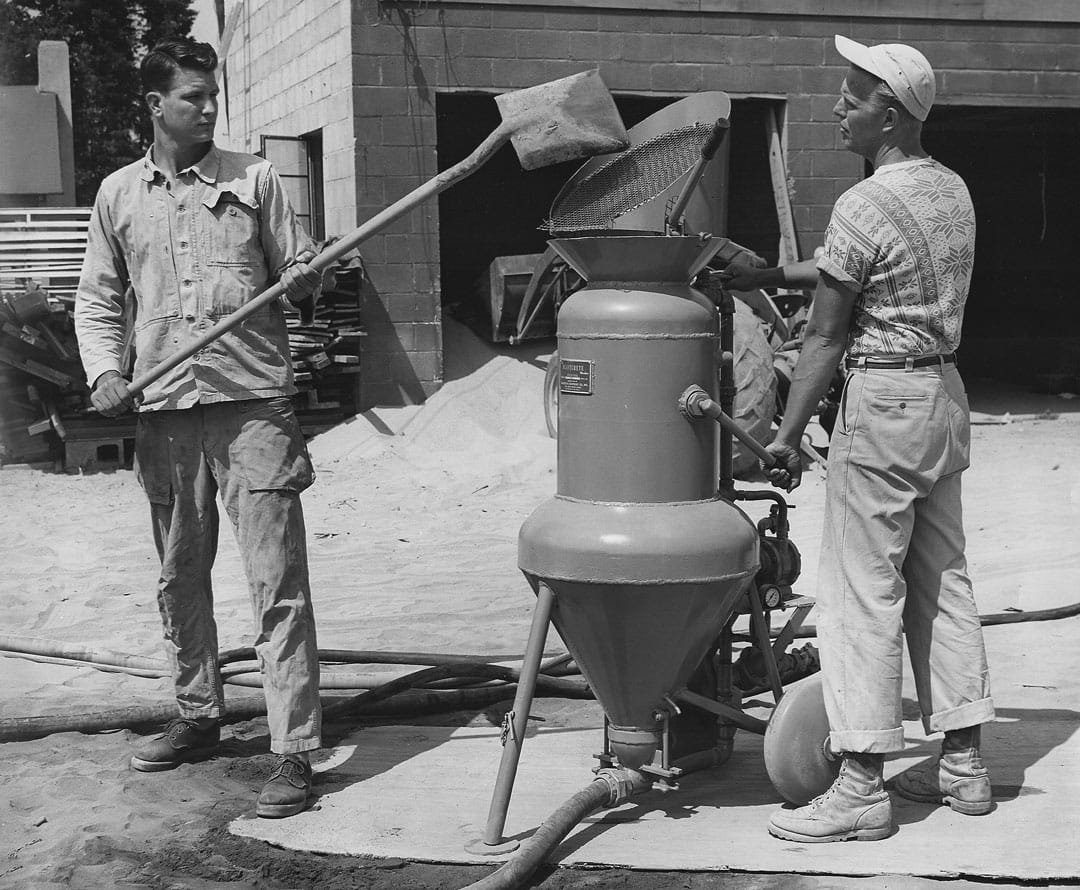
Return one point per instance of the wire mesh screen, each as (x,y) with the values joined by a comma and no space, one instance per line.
(628,181)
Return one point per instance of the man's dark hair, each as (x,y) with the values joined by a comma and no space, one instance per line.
(168,56)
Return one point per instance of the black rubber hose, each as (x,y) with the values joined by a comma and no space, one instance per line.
(620,785)
(411,702)
(517,870)
(544,684)
(991,619)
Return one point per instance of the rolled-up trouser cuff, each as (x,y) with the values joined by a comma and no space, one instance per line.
(209,712)
(295,746)
(867,741)
(970,714)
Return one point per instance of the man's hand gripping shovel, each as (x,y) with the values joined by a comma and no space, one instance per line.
(565,119)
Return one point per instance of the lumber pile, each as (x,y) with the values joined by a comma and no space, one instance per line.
(45,411)
(325,349)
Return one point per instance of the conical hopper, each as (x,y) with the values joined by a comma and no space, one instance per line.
(637,257)
(636,644)
(640,593)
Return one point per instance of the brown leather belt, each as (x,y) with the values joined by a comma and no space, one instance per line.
(922,361)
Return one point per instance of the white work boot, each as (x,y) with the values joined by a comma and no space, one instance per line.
(856,807)
(958,779)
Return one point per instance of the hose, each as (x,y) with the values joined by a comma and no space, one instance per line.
(234,672)
(412,702)
(369,704)
(991,619)
(610,788)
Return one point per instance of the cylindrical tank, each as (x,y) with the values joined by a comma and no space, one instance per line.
(645,559)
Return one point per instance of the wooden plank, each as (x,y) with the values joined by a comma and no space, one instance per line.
(54,236)
(36,368)
(28,256)
(789,246)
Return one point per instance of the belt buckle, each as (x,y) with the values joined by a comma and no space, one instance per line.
(909,364)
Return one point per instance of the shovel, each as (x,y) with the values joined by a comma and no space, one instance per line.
(570,118)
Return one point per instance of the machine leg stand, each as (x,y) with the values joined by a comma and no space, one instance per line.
(514,727)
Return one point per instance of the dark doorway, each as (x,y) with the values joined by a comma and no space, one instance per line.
(1022,321)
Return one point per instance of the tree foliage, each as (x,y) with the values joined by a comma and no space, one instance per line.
(106,40)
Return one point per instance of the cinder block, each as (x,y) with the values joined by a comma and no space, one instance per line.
(709,49)
(468,72)
(637,47)
(821,107)
(815,191)
(571,21)
(752,51)
(1056,83)
(595,46)
(467,17)
(843,164)
(676,22)
(520,73)
(427,337)
(392,277)
(488,43)
(619,75)
(512,18)
(676,78)
(802,50)
(543,44)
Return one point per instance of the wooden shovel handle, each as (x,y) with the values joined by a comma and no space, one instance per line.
(480,155)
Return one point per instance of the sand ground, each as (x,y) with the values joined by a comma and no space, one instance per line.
(412,541)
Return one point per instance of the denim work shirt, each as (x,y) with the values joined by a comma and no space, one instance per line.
(192,252)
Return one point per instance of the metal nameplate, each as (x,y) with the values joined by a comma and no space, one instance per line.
(575,377)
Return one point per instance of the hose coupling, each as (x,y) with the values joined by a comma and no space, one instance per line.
(622,783)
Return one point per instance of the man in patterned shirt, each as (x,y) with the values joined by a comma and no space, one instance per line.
(890,292)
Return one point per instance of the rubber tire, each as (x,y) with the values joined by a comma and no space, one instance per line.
(795,743)
(755,387)
(551,395)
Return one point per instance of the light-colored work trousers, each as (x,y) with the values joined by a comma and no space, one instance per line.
(893,564)
(253,453)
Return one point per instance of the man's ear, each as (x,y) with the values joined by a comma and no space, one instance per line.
(153,101)
(891,120)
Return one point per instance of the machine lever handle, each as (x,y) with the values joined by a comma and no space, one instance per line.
(695,402)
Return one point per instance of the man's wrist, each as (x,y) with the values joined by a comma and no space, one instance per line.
(105,377)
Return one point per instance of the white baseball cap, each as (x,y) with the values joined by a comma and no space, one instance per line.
(902,67)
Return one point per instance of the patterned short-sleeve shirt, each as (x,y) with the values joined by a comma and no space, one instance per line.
(904,240)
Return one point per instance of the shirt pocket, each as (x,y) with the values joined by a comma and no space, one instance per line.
(231,224)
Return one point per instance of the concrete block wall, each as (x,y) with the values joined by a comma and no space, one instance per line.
(404,53)
(289,73)
(368,71)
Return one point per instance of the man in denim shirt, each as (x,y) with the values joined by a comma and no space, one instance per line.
(197,232)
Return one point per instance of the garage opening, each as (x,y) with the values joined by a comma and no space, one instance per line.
(1023,318)
(497,212)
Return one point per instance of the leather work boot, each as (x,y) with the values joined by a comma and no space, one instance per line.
(183,741)
(286,791)
(958,779)
(856,807)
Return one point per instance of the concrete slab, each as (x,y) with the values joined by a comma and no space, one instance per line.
(422,792)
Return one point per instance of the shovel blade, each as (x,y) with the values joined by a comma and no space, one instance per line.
(563,120)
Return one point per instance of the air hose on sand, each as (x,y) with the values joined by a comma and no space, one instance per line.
(454,682)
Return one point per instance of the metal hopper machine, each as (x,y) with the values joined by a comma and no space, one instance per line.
(642,559)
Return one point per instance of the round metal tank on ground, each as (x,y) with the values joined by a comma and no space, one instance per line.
(646,561)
